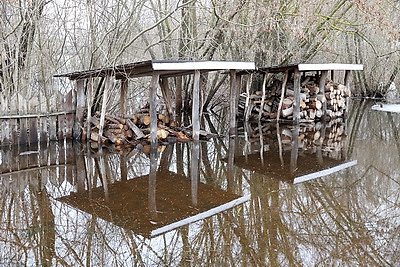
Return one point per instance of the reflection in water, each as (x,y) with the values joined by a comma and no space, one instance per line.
(223,202)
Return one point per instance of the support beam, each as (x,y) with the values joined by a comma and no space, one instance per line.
(232,102)
(80,108)
(322,80)
(195,172)
(283,90)
(347,78)
(296,102)
(196,106)
(107,88)
(89,96)
(167,96)
(123,95)
(153,107)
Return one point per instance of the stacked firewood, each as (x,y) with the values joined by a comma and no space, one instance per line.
(134,129)
(312,101)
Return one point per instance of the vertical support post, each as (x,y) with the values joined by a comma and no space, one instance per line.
(196,106)
(194,172)
(153,181)
(232,103)
(153,107)
(89,96)
(322,80)
(249,104)
(231,166)
(80,108)
(167,96)
(123,95)
(264,87)
(333,75)
(283,90)
(295,148)
(296,102)
(178,101)
(107,87)
(347,77)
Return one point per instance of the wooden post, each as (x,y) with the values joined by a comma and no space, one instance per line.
(264,87)
(295,148)
(194,172)
(322,80)
(347,76)
(89,96)
(178,101)
(123,95)
(196,106)
(296,102)
(107,87)
(80,108)
(153,107)
(167,96)
(249,104)
(283,89)
(232,102)
(153,180)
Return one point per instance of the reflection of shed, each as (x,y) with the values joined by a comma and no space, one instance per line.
(273,165)
(129,203)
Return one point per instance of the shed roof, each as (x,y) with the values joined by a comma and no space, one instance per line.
(313,67)
(166,68)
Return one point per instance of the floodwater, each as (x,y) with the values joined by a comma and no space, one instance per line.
(325,195)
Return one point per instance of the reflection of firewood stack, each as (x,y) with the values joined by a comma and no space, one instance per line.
(312,101)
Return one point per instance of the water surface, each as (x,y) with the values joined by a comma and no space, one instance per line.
(320,194)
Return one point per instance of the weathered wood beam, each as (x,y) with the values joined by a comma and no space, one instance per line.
(232,102)
(195,172)
(249,103)
(166,92)
(322,80)
(153,107)
(296,101)
(347,78)
(107,88)
(80,108)
(196,106)
(283,90)
(123,95)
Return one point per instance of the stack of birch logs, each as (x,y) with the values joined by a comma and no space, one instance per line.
(312,101)
(134,129)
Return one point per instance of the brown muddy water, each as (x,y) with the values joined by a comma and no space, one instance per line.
(325,195)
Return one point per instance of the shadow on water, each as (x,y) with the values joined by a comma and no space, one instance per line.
(313,194)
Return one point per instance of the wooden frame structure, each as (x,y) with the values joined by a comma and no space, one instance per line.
(297,69)
(159,71)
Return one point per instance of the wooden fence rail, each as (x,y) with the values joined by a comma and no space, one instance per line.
(30,129)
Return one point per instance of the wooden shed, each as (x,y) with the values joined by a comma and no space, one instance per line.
(300,92)
(159,71)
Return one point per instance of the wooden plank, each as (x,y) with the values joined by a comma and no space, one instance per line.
(60,127)
(89,102)
(232,107)
(296,101)
(69,118)
(203,65)
(23,137)
(347,78)
(123,95)
(322,80)
(44,136)
(14,129)
(153,107)
(283,90)
(107,88)
(166,92)
(329,66)
(33,131)
(196,106)
(248,105)
(37,115)
(80,108)
(5,133)
(52,120)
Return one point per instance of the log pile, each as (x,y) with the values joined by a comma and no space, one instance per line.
(312,101)
(135,129)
